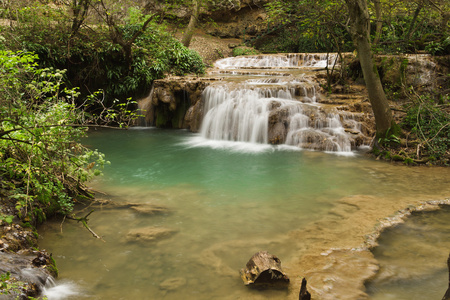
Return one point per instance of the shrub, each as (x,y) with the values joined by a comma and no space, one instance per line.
(40,154)
(97,61)
(431,124)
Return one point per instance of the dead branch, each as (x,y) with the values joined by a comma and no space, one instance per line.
(84,220)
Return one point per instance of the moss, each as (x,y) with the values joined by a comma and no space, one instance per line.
(180,112)
(51,268)
(161,117)
(408,161)
(397,157)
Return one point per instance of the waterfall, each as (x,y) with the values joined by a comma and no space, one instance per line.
(239,114)
(297,60)
(61,290)
(242,110)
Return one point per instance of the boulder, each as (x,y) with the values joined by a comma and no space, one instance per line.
(263,270)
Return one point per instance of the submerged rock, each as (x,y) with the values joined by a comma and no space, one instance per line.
(148,209)
(172,284)
(143,208)
(264,270)
(148,234)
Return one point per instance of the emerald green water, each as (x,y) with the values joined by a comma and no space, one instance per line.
(225,202)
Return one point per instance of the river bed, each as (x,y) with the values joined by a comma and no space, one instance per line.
(225,202)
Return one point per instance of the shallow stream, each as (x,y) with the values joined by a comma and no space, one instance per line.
(226,201)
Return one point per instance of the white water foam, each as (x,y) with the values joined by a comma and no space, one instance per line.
(62,291)
(232,146)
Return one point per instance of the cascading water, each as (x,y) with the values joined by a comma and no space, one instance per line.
(282,109)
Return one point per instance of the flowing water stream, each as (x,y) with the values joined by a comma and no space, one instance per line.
(222,197)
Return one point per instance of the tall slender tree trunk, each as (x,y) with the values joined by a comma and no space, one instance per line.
(378,15)
(187,37)
(413,22)
(360,31)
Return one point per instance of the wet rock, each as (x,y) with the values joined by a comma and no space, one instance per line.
(148,234)
(447,294)
(193,117)
(278,122)
(172,284)
(264,270)
(170,100)
(277,134)
(304,294)
(29,273)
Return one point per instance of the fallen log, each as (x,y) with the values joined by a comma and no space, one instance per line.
(263,270)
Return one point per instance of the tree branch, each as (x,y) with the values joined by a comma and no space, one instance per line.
(84,221)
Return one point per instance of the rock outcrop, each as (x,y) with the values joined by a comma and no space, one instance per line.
(172,103)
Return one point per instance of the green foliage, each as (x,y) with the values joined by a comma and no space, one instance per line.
(11,286)
(122,65)
(244,51)
(321,26)
(389,139)
(306,26)
(439,47)
(431,124)
(6,218)
(39,133)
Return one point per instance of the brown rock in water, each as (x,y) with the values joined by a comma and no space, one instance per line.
(148,234)
(264,270)
(447,294)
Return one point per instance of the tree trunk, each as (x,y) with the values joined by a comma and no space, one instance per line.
(360,31)
(378,14)
(187,37)
(413,22)
(79,9)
